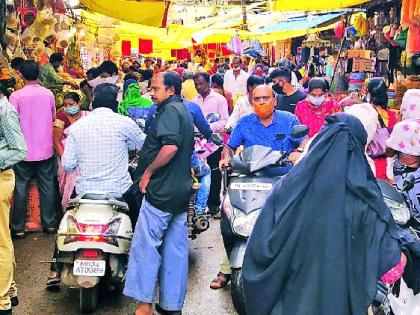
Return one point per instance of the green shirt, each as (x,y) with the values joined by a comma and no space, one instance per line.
(49,77)
(12,144)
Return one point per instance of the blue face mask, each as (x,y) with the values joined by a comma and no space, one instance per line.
(72,110)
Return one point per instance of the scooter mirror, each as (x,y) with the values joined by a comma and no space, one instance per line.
(216,139)
(409,183)
(299,131)
(213,117)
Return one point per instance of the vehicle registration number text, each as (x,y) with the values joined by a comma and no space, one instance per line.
(94,268)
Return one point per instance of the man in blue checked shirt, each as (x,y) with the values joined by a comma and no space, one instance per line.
(98,145)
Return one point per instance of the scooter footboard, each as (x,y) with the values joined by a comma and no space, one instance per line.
(236,257)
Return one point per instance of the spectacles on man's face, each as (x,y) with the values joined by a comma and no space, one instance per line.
(261,99)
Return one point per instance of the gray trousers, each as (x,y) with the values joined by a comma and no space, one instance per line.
(44,173)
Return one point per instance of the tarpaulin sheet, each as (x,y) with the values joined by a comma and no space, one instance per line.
(308,5)
(151,13)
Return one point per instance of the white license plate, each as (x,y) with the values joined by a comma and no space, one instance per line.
(92,268)
(251,186)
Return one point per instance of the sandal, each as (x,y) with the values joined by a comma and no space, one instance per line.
(220,282)
(53,282)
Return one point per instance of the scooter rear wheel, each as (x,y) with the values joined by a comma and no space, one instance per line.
(88,299)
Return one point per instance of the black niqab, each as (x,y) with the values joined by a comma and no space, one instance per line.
(325,236)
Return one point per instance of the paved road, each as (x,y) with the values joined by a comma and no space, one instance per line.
(35,300)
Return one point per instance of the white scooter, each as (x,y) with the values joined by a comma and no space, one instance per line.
(94,240)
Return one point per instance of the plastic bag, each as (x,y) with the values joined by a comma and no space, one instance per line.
(407,303)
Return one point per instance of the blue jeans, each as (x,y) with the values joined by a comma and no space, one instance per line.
(159,253)
(202,194)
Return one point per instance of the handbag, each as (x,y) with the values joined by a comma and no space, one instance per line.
(377,146)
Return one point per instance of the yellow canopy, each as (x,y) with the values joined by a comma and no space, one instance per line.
(142,12)
(307,5)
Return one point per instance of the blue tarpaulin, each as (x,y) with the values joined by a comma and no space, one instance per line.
(300,23)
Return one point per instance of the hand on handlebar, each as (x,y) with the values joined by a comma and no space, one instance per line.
(224,163)
(294,157)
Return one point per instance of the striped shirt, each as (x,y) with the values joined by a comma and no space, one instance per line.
(12,144)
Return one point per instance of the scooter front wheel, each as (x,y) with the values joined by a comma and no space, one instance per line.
(88,299)
(237,291)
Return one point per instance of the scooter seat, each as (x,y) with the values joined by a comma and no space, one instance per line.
(93,196)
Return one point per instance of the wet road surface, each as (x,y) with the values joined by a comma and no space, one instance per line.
(35,300)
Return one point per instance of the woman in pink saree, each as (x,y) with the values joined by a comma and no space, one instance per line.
(65,118)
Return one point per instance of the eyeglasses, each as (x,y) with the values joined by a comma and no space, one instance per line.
(258,99)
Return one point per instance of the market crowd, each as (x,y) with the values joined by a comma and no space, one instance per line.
(74,138)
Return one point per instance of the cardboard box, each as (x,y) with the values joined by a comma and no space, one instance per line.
(359,53)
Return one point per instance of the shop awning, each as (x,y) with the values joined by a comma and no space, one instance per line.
(300,23)
(308,5)
(152,13)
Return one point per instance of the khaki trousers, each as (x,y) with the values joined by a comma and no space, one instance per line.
(7,183)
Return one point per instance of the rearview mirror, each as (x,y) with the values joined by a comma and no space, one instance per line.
(299,131)
(409,183)
(216,139)
(213,117)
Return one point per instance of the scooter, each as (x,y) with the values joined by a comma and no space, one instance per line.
(400,207)
(247,183)
(94,239)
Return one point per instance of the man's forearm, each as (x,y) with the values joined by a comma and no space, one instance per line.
(166,153)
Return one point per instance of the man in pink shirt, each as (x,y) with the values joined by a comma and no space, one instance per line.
(36,107)
(212,102)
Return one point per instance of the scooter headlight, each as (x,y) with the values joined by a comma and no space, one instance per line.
(399,211)
(244,223)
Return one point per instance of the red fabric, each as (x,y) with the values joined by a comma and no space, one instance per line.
(212,54)
(212,46)
(145,46)
(126,48)
(225,51)
(174,53)
(380,167)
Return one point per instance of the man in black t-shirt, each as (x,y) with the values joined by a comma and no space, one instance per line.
(287,95)
(159,251)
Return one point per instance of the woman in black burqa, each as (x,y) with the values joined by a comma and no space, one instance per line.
(325,236)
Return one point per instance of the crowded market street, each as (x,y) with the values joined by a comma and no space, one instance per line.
(227,157)
(36,300)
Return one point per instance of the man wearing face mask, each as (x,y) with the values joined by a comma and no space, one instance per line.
(264,127)
(317,106)
(287,95)
(235,78)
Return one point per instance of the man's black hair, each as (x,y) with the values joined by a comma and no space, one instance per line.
(29,70)
(16,63)
(254,80)
(93,72)
(171,78)
(56,57)
(105,95)
(130,77)
(217,79)
(204,75)
(283,73)
(108,67)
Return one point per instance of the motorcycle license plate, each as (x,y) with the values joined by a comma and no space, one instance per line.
(92,268)
(251,186)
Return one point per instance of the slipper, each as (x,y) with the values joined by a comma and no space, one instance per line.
(220,282)
(53,283)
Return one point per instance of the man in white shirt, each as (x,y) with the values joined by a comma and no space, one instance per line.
(243,106)
(235,79)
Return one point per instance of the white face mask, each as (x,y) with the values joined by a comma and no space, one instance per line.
(317,101)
